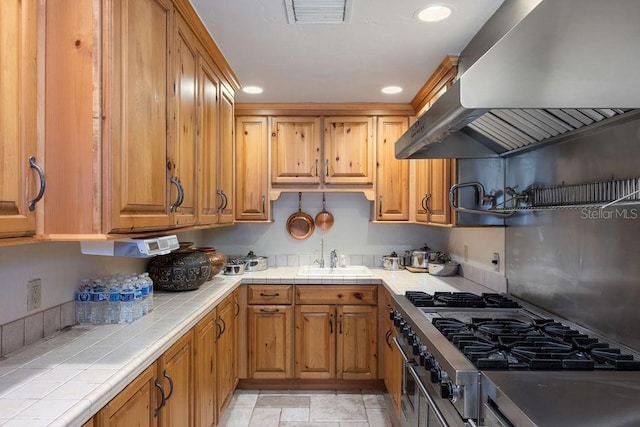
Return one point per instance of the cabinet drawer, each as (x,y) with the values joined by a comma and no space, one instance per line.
(270,294)
(340,294)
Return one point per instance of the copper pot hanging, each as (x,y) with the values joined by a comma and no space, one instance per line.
(300,225)
(324,219)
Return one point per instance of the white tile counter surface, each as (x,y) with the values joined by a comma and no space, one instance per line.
(66,379)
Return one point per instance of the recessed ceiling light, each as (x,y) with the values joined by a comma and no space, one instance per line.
(391,90)
(434,13)
(253,90)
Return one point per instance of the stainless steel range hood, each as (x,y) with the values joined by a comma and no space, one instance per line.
(539,71)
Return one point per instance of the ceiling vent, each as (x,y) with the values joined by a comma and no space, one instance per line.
(318,11)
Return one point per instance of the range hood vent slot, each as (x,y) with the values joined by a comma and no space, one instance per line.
(538,72)
(318,11)
(517,128)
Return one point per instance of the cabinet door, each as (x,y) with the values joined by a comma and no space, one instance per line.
(133,406)
(357,346)
(270,345)
(227,162)
(393,366)
(205,371)
(439,179)
(295,150)
(392,175)
(175,370)
(315,341)
(226,376)
(433,180)
(348,150)
(18,182)
(183,159)
(210,201)
(251,169)
(136,130)
(422,192)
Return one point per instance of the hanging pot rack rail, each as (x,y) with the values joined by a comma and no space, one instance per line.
(597,194)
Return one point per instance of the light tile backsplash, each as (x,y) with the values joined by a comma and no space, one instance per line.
(33,328)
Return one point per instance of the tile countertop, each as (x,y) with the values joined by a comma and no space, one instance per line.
(66,379)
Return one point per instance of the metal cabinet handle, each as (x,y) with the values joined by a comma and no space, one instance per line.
(340,323)
(34,165)
(221,198)
(331,323)
(175,204)
(327,168)
(380,206)
(427,197)
(277,294)
(237,308)
(387,336)
(164,400)
(271,311)
(263,203)
(224,325)
(317,167)
(180,192)
(164,374)
(225,200)
(218,331)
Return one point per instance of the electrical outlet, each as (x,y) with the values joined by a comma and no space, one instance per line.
(466,253)
(34,294)
(496,261)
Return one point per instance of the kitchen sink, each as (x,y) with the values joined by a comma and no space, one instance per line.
(352,270)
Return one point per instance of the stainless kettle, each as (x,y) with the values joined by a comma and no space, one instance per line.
(420,258)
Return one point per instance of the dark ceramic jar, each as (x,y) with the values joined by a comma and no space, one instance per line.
(183,270)
(217,259)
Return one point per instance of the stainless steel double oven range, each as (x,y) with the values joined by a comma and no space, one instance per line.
(485,360)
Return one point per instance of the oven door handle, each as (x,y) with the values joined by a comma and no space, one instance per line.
(423,391)
(396,340)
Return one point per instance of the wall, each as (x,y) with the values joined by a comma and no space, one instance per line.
(352,233)
(60,266)
(581,264)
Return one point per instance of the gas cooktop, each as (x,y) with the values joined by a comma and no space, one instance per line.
(457,300)
(535,344)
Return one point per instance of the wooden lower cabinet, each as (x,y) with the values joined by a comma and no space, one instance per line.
(205,334)
(270,341)
(175,370)
(315,342)
(393,367)
(133,406)
(336,342)
(226,350)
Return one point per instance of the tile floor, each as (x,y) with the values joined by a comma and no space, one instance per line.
(306,409)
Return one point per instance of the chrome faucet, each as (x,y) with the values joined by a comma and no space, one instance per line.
(333,262)
(320,261)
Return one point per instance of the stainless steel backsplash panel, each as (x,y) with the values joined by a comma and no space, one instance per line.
(583,265)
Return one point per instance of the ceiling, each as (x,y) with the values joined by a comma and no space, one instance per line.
(381,45)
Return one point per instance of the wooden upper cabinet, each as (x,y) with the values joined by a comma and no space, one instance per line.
(215,147)
(433,180)
(434,177)
(209,144)
(182,158)
(392,175)
(227,156)
(136,88)
(19,183)
(295,150)
(252,169)
(348,150)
